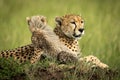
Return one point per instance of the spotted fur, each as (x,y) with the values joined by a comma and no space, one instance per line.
(22,54)
(62,43)
(57,43)
(46,39)
(70,28)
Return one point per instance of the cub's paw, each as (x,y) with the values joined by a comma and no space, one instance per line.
(65,57)
(36,22)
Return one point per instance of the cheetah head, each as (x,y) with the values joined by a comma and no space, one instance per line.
(36,23)
(71,25)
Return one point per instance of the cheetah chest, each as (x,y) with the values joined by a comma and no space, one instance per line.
(72,45)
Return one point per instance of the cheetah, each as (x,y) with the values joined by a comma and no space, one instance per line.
(70,29)
(63,41)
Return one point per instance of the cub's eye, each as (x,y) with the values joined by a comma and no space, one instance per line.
(72,22)
(82,21)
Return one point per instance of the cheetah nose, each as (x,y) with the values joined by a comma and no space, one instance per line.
(81,30)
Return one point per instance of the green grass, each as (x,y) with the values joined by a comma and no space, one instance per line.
(102,26)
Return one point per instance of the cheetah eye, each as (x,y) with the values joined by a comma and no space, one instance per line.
(82,21)
(72,22)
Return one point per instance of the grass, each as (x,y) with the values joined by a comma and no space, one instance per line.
(51,70)
(102,26)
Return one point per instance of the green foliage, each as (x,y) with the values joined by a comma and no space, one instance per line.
(9,68)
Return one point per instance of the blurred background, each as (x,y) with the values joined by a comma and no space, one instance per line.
(102,24)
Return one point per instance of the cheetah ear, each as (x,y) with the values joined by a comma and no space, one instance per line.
(31,28)
(59,20)
(44,20)
(28,19)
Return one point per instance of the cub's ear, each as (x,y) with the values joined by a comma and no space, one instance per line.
(31,28)
(43,19)
(59,20)
(28,19)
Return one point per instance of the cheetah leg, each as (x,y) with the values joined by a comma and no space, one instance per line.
(94,61)
(36,56)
